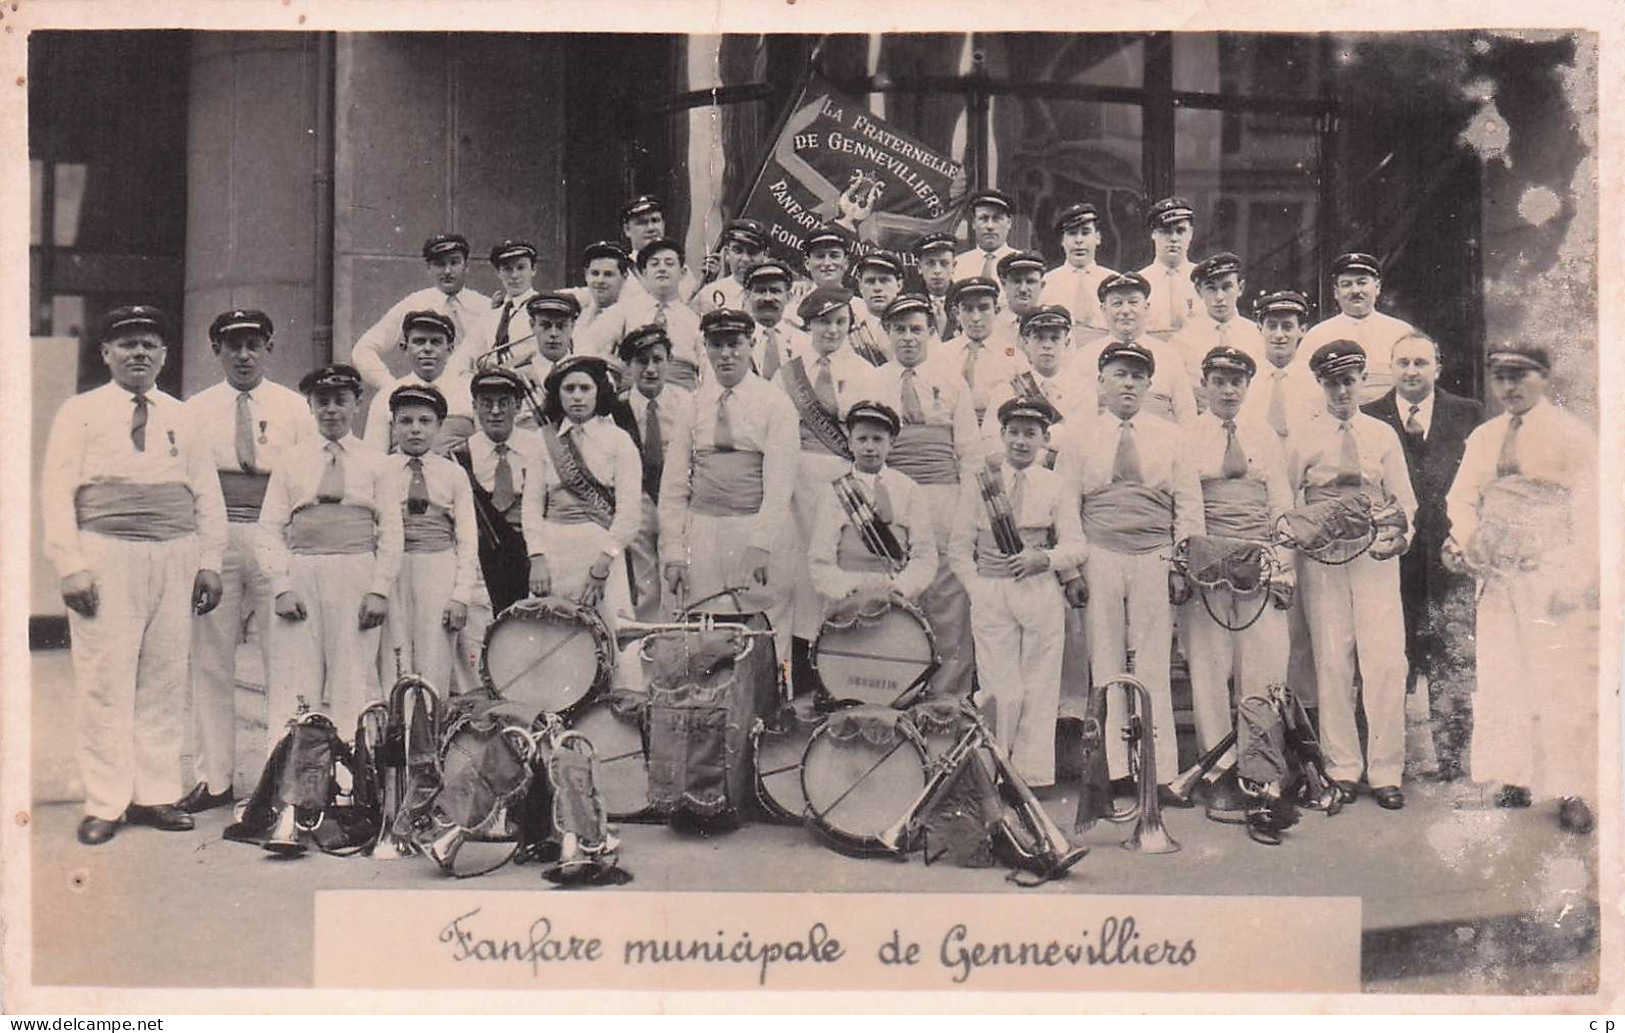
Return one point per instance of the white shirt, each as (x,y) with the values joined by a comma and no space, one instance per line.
(469,310)
(453,385)
(869,330)
(945,400)
(995,365)
(447,489)
(1424,411)
(1176,283)
(673,406)
(1375,333)
(1088,451)
(792,342)
(724,293)
(633,311)
(1317,451)
(524,449)
(1078,288)
(369,481)
(974,263)
(1205,443)
(1047,500)
(854,378)
(1170,394)
(90,444)
(279,418)
(1204,333)
(911,511)
(612,459)
(1301,395)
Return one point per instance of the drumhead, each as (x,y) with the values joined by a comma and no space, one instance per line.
(549,658)
(861,781)
(777,755)
(874,660)
(623,766)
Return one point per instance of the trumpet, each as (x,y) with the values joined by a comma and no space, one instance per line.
(496,358)
(1220,758)
(1149,835)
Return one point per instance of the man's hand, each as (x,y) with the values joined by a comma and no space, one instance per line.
(711,268)
(756,564)
(541,578)
(1453,558)
(290,607)
(1389,543)
(1281,593)
(1028,562)
(79,592)
(455,616)
(593,591)
(374,608)
(1076,592)
(1179,588)
(206,592)
(677,582)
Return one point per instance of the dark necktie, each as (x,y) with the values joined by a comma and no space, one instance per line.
(1126,463)
(331,487)
(824,386)
(138,422)
(245,434)
(502,324)
(502,493)
(1348,458)
(1235,459)
(654,442)
(723,438)
(1413,424)
(417,491)
(1507,464)
(912,412)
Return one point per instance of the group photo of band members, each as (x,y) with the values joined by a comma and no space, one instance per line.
(1058,475)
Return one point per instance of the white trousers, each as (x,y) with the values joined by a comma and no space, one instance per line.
(1357,628)
(414,639)
(1133,589)
(1253,659)
(326,659)
(1018,627)
(1535,711)
(946,604)
(130,671)
(215,636)
(716,561)
(814,472)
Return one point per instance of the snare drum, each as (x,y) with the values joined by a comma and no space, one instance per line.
(777,752)
(548,653)
(864,769)
(614,726)
(875,658)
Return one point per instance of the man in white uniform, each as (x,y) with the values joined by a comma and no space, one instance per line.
(247,421)
(1174,301)
(430,343)
(880,280)
(744,244)
(774,341)
(1220,284)
(991,214)
(1075,283)
(445,256)
(983,362)
(1357,284)
(1522,515)
(658,409)
(135,525)
(1126,299)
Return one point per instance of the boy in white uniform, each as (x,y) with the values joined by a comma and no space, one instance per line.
(1075,283)
(431,343)
(1174,301)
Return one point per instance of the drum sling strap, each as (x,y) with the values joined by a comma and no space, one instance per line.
(503,560)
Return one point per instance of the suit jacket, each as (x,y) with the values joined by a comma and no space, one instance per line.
(1432,461)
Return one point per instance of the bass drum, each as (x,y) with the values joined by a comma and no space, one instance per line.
(864,769)
(614,726)
(777,750)
(875,657)
(549,654)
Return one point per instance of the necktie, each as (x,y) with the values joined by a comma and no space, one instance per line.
(502,493)
(1224,332)
(138,423)
(1018,491)
(972,350)
(1413,425)
(245,434)
(912,412)
(882,503)
(417,491)
(502,324)
(331,487)
(1348,459)
(454,310)
(1235,459)
(770,347)
(1507,464)
(660,313)
(1277,415)
(824,386)
(1126,463)
(654,442)
(990,265)
(1171,289)
(722,439)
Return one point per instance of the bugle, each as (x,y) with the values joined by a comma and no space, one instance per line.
(1211,761)
(1150,835)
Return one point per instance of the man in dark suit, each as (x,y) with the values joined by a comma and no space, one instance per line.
(1433,425)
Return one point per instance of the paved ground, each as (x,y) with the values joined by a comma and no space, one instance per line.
(1453,900)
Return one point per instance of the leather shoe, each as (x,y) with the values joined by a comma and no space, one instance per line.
(200,799)
(165,816)
(1349,791)
(1575,815)
(96,831)
(1389,797)
(1166,798)
(1514,796)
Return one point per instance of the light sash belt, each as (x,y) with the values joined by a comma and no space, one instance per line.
(853,556)
(331,529)
(986,547)
(1128,518)
(566,507)
(682,372)
(1236,506)
(136,512)
(727,484)
(429,531)
(925,452)
(244,494)
(1313,493)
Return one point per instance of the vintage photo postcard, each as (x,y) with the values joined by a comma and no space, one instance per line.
(800,506)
